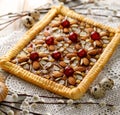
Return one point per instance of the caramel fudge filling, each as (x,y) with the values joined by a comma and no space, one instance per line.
(64,51)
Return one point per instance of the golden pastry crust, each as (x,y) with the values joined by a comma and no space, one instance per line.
(76,92)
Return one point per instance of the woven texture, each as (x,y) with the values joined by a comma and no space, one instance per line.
(111,70)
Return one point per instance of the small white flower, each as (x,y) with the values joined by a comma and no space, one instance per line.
(10,112)
(25,111)
(36,98)
(70,102)
(33,105)
(25,103)
(91,100)
(15,96)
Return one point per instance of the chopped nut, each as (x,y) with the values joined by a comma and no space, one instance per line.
(89,30)
(62,63)
(78,81)
(71,80)
(36,65)
(86,61)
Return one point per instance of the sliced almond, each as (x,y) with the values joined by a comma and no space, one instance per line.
(79,68)
(71,80)
(36,65)
(103,33)
(57,74)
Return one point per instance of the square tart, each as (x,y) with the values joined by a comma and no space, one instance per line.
(63,53)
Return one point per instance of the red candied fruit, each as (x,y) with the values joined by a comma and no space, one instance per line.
(34,56)
(49,40)
(73,37)
(65,23)
(68,71)
(56,55)
(95,36)
(82,53)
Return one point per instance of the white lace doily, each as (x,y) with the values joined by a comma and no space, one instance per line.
(112,70)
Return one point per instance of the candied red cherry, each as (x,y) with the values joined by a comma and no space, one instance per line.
(65,23)
(34,56)
(56,55)
(68,71)
(95,36)
(82,53)
(49,40)
(73,37)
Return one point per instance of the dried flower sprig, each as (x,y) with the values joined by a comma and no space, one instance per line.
(16,16)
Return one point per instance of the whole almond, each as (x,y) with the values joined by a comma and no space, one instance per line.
(94,52)
(39,42)
(70,55)
(23,59)
(79,68)
(103,33)
(42,54)
(66,30)
(71,80)
(29,49)
(55,24)
(62,63)
(51,47)
(46,34)
(59,39)
(98,43)
(36,65)
(86,61)
(57,74)
(77,46)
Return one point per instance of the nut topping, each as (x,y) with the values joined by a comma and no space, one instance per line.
(23,59)
(94,52)
(86,61)
(36,65)
(71,80)
(57,74)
